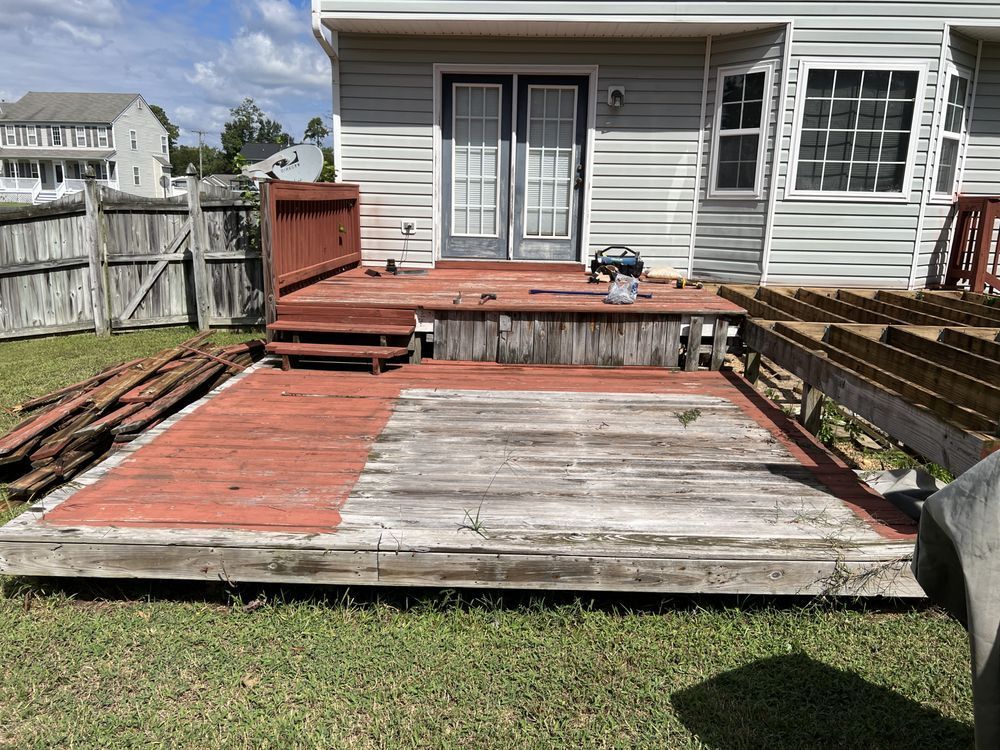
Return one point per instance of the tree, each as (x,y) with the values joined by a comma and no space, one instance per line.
(249,124)
(316,131)
(329,173)
(214,161)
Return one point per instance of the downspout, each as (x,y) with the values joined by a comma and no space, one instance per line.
(692,244)
(330,46)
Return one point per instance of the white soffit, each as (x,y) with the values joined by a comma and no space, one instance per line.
(986,33)
(632,28)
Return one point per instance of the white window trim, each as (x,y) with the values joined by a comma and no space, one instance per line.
(762,131)
(31,135)
(919,104)
(136,177)
(164,145)
(133,140)
(10,135)
(963,137)
(102,137)
(81,136)
(55,131)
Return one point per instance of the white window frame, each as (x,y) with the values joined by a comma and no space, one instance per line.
(133,140)
(136,177)
(55,134)
(761,131)
(102,137)
(832,63)
(164,144)
(81,136)
(10,135)
(31,135)
(963,136)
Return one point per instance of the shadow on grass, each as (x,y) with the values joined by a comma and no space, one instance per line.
(795,702)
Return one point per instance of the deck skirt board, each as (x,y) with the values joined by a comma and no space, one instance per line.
(583,479)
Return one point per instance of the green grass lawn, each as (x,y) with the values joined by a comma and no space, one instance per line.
(166,665)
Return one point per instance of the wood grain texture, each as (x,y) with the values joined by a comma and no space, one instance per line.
(344,478)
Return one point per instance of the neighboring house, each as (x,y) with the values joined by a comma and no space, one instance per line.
(49,139)
(786,143)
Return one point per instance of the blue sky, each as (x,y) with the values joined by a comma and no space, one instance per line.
(195,58)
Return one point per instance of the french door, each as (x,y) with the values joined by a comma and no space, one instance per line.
(512,167)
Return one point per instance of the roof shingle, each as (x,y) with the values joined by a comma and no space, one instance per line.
(54,106)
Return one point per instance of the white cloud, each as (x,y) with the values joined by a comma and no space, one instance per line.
(81,34)
(173,55)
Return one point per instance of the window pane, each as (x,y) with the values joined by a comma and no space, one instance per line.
(728,175)
(844,113)
(867,146)
(729,148)
(754,86)
(813,145)
(904,84)
(946,170)
(839,145)
(894,146)
(890,178)
(835,175)
(876,84)
(959,88)
(871,115)
(751,115)
(820,84)
(863,177)
(898,115)
(748,147)
(731,116)
(748,175)
(808,175)
(848,84)
(732,88)
(817,114)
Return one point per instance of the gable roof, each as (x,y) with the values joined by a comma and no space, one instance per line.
(55,106)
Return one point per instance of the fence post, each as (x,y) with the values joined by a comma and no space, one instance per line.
(267,208)
(199,246)
(95,254)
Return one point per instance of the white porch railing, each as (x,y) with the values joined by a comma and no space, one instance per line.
(20,184)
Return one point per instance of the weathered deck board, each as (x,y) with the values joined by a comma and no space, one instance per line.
(586,479)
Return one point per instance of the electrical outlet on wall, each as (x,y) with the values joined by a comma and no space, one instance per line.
(408,227)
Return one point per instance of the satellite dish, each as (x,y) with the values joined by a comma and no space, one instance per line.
(301,163)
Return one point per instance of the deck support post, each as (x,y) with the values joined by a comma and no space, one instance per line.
(416,348)
(720,335)
(811,409)
(751,366)
(695,329)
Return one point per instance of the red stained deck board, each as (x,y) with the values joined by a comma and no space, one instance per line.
(282,450)
(438,289)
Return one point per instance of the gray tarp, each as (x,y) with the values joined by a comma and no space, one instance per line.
(957,562)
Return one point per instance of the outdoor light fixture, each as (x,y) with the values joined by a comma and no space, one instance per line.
(616,96)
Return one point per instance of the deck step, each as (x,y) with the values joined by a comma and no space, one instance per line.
(311,326)
(377,354)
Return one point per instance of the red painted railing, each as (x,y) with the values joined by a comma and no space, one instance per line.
(975,249)
(308,231)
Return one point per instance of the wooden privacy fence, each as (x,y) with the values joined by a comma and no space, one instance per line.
(106,260)
(308,231)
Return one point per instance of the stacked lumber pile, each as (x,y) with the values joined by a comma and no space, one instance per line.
(74,427)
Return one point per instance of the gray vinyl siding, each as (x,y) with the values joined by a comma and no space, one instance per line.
(729,244)
(148,132)
(832,242)
(644,156)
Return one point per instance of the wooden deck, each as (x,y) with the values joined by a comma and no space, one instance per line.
(440,287)
(468,474)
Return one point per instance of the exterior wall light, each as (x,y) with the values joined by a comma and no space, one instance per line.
(616,96)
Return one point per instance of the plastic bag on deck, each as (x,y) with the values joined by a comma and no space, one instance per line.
(623,290)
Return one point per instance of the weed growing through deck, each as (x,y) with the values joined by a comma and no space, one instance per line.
(687,417)
(474,523)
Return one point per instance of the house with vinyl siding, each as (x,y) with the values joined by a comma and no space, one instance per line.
(802,143)
(48,141)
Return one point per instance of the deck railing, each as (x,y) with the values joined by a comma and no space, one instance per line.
(308,231)
(975,248)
